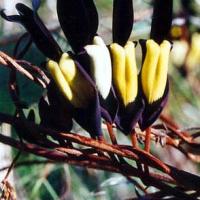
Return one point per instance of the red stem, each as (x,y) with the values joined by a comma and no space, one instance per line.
(111,133)
(148,140)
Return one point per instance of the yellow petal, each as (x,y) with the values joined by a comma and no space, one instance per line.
(125,72)
(161,71)
(131,73)
(81,88)
(59,79)
(149,69)
(119,64)
(67,67)
(154,70)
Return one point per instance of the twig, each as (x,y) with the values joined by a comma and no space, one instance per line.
(9,62)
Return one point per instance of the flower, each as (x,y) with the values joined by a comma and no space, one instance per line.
(125,80)
(74,83)
(79,21)
(124,69)
(153,76)
(154,81)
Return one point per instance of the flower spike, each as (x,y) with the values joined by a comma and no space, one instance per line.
(123,18)
(162,20)
(79,21)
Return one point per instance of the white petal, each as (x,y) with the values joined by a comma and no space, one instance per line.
(100,66)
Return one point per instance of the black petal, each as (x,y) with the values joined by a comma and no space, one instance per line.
(79,21)
(22,46)
(144,49)
(56,114)
(162,19)
(152,111)
(93,18)
(90,117)
(12,18)
(109,107)
(39,33)
(123,18)
(128,117)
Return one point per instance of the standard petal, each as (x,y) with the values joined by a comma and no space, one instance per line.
(93,18)
(123,18)
(79,21)
(37,30)
(162,19)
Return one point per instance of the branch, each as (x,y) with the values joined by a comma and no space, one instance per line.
(11,63)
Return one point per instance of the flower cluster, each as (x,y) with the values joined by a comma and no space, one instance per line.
(95,80)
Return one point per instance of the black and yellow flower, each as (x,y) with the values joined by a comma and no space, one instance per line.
(79,21)
(124,69)
(154,81)
(153,76)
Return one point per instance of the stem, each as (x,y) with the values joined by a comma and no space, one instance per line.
(148,140)
(111,133)
(134,139)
